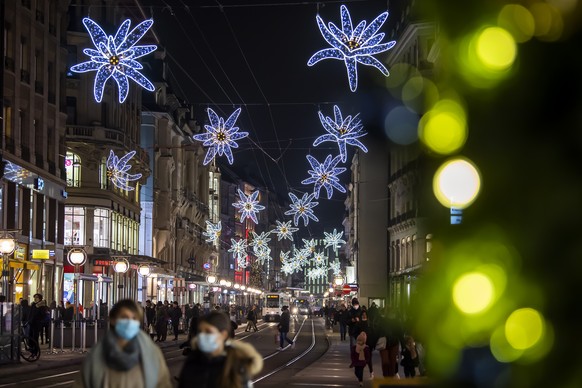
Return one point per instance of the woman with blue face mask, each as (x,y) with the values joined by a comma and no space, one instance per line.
(217,362)
(126,357)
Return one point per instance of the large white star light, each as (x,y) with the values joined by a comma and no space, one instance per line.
(317,273)
(248,206)
(290,267)
(221,136)
(353,45)
(342,131)
(334,239)
(212,232)
(301,256)
(117,169)
(284,257)
(116,57)
(239,248)
(284,230)
(325,175)
(319,258)
(260,243)
(310,246)
(302,208)
(264,256)
(335,268)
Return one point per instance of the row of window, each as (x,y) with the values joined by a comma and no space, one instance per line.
(110,229)
(405,253)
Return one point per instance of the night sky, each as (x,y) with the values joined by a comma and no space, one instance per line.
(256,57)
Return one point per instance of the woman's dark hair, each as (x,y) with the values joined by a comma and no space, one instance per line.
(217,319)
(126,304)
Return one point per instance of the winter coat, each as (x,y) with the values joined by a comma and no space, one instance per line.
(175,314)
(356,357)
(354,317)
(201,371)
(284,322)
(252,316)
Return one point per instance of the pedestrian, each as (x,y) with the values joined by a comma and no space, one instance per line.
(361,356)
(252,319)
(283,327)
(341,316)
(38,318)
(193,329)
(161,322)
(25,316)
(389,327)
(150,313)
(410,360)
(126,356)
(175,315)
(217,362)
(354,316)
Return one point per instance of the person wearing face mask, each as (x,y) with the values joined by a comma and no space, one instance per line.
(217,362)
(354,318)
(126,357)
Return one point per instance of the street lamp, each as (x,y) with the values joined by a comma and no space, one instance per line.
(211,279)
(338,280)
(7,247)
(222,282)
(144,270)
(77,257)
(228,284)
(120,266)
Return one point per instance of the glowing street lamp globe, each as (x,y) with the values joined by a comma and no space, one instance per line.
(144,270)
(228,284)
(7,245)
(237,286)
(211,279)
(222,282)
(243,287)
(121,266)
(77,256)
(338,281)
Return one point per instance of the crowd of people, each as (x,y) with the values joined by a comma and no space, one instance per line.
(374,329)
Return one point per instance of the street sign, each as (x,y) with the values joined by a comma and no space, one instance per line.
(346,289)
(41,254)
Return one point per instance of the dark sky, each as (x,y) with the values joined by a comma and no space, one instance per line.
(255,57)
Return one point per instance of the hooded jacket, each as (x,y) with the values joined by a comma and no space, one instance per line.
(202,371)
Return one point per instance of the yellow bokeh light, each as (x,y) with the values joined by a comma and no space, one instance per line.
(518,21)
(457,183)
(501,349)
(496,48)
(548,21)
(444,128)
(473,293)
(524,328)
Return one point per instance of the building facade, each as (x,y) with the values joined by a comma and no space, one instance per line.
(32,189)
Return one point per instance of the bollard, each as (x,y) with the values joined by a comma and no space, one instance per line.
(83,335)
(74,334)
(52,342)
(62,336)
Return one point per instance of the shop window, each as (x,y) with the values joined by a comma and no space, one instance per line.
(103,180)
(74,225)
(101,228)
(73,169)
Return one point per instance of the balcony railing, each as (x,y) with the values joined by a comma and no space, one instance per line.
(402,217)
(9,64)
(108,136)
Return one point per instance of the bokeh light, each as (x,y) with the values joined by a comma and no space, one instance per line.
(444,128)
(524,328)
(501,349)
(496,48)
(548,21)
(400,73)
(457,183)
(401,125)
(518,21)
(473,293)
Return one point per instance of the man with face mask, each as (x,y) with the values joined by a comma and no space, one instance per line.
(354,318)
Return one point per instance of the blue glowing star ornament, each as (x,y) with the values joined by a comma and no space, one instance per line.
(284,230)
(302,208)
(353,45)
(333,240)
(212,232)
(248,206)
(116,57)
(342,131)
(117,171)
(325,175)
(239,249)
(221,136)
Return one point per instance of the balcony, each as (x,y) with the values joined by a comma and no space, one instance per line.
(38,87)
(9,64)
(25,76)
(402,217)
(105,136)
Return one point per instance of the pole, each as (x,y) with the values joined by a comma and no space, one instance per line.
(5,275)
(52,341)
(76,312)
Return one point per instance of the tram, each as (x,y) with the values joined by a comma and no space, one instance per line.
(274,301)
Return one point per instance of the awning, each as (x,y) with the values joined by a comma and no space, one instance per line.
(24,265)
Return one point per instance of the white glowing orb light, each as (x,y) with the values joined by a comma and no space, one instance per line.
(121,266)
(7,245)
(237,286)
(77,256)
(144,270)
(456,183)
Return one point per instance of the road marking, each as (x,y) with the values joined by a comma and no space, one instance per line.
(40,378)
(294,338)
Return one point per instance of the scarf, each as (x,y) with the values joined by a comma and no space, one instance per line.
(360,350)
(118,358)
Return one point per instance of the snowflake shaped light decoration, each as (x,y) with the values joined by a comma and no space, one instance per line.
(325,175)
(335,268)
(239,248)
(259,243)
(342,131)
(212,232)
(284,230)
(353,45)
(284,257)
(310,246)
(264,256)
(290,267)
(248,206)
(302,208)
(221,136)
(317,273)
(116,57)
(117,169)
(242,262)
(319,258)
(333,239)
(301,256)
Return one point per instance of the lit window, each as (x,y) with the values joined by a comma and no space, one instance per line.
(101,228)
(103,180)
(73,169)
(74,225)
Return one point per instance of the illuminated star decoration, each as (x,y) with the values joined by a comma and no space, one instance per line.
(248,206)
(239,251)
(317,272)
(302,208)
(325,175)
(259,243)
(319,258)
(14,172)
(353,45)
(284,230)
(342,131)
(221,136)
(213,231)
(264,256)
(284,257)
(301,256)
(116,57)
(290,267)
(309,246)
(335,268)
(333,239)
(117,171)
